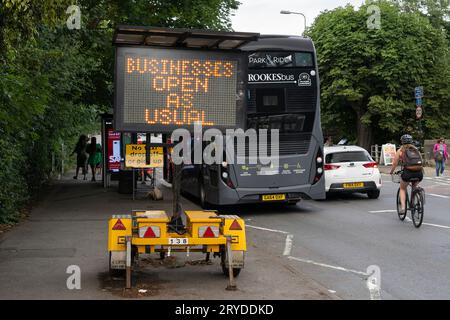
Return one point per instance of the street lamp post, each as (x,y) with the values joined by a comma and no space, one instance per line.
(292,12)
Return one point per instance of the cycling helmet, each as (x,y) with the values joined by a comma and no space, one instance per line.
(406,139)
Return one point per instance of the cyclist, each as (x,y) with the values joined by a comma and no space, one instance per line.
(408,156)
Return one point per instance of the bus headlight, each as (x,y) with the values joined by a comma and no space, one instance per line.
(224,175)
(319,159)
(319,170)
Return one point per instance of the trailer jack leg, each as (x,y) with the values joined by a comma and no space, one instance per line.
(231,284)
(128,264)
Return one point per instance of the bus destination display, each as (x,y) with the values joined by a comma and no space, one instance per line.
(160,90)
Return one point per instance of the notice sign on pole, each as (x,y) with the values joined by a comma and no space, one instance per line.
(135,156)
(161,89)
(388,153)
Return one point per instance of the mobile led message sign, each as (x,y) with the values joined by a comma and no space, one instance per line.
(162,89)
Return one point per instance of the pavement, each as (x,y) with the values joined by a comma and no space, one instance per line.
(313,250)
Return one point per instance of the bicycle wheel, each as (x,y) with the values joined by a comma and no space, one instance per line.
(399,206)
(417,208)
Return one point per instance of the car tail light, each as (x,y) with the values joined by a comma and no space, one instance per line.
(371,165)
(331,167)
(149,232)
(208,232)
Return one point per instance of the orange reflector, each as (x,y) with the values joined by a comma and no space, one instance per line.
(119,225)
(235,225)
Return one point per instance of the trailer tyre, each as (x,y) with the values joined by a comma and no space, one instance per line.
(236,271)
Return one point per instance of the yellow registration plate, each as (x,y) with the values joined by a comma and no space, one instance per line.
(273,197)
(353,185)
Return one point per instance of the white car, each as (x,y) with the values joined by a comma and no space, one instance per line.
(351,169)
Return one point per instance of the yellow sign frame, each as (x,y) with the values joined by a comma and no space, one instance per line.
(135,156)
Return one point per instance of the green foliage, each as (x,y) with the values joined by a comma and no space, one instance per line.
(54,82)
(368,75)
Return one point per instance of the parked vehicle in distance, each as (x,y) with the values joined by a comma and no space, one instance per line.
(351,169)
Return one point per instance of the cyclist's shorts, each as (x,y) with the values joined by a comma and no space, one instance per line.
(408,175)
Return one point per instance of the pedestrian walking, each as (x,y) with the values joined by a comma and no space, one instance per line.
(80,150)
(95,156)
(440,156)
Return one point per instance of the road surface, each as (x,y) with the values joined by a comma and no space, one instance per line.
(314,250)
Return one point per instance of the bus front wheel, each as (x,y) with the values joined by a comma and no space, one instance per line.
(202,195)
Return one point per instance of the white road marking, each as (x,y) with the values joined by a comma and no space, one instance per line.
(430,224)
(267,229)
(441,184)
(383,211)
(329,266)
(435,225)
(438,195)
(288,245)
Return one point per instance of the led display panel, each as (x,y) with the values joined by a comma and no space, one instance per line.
(159,89)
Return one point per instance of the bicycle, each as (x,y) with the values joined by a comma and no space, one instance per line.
(415,203)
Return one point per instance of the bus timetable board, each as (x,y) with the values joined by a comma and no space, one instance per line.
(162,89)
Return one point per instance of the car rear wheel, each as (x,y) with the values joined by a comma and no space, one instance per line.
(373,194)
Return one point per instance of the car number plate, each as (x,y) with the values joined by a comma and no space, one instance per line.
(273,197)
(178,241)
(353,185)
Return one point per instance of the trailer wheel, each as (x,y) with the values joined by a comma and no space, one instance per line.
(236,271)
(225,270)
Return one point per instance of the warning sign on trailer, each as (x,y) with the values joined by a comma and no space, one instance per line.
(161,89)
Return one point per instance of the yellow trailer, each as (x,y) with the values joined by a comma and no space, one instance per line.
(145,232)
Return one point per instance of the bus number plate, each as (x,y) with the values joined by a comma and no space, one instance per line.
(273,197)
(178,241)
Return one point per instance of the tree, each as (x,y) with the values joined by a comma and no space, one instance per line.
(368,75)
(54,82)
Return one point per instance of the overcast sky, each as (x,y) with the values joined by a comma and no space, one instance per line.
(264,16)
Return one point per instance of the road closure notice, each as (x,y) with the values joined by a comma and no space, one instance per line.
(135,156)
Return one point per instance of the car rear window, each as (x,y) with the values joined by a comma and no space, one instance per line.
(348,156)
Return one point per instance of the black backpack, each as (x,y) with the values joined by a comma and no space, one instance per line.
(412,160)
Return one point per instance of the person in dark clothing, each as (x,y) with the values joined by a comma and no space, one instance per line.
(80,150)
(95,155)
